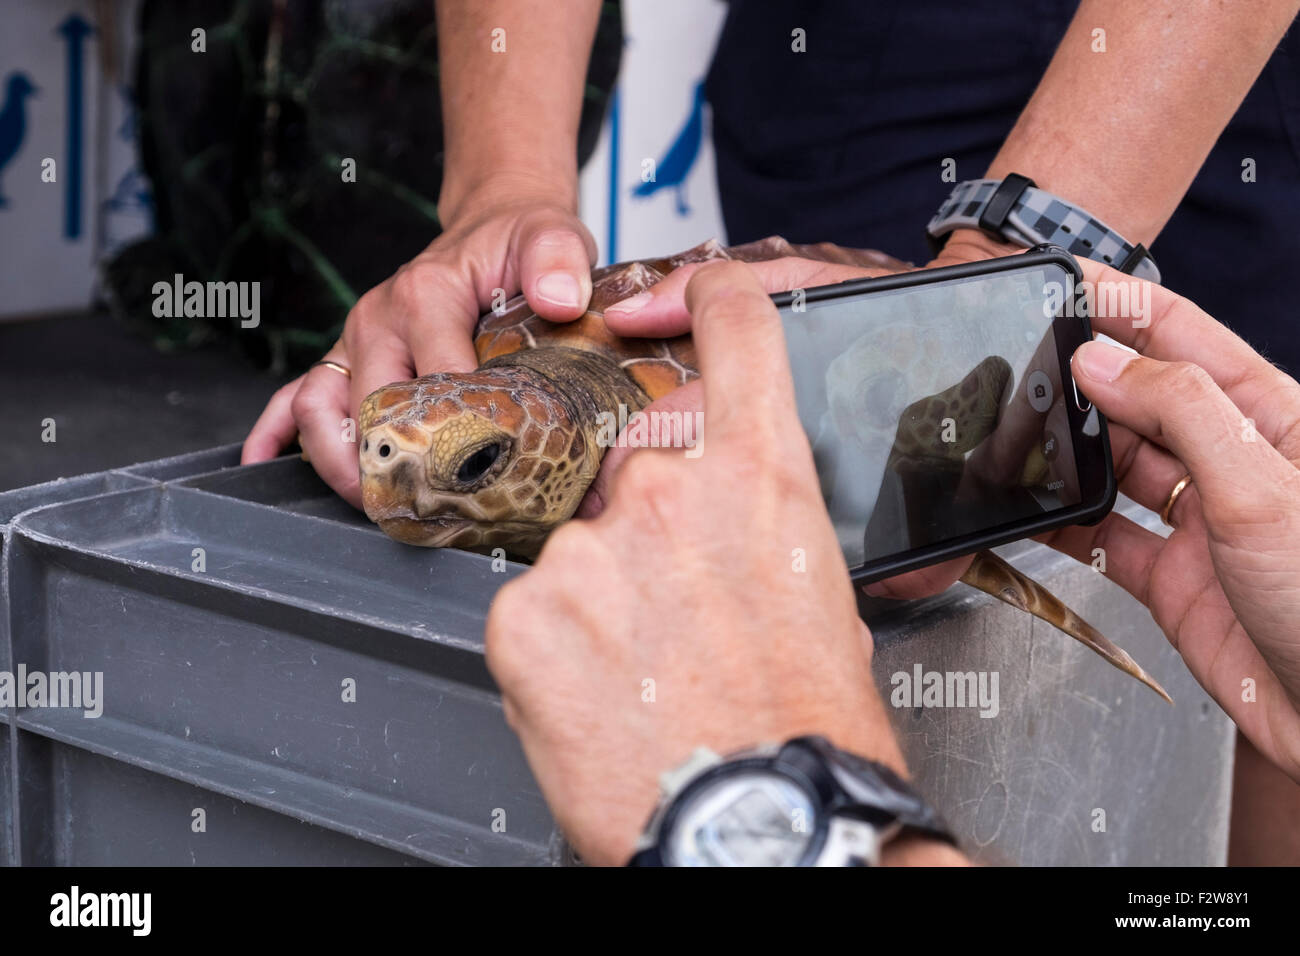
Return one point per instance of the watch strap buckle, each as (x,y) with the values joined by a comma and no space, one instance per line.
(993,218)
(1135,258)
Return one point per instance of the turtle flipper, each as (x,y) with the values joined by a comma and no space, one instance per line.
(992,575)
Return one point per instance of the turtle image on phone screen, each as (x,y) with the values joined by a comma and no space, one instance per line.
(935,412)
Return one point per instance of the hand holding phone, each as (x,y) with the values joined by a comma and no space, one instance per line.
(941,409)
(871,393)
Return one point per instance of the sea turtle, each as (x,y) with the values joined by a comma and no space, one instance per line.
(499,457)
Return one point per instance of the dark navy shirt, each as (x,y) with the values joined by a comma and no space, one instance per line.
(845,142)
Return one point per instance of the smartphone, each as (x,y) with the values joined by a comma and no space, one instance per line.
(941,410)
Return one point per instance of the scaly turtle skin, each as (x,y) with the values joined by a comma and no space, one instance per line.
(499,457)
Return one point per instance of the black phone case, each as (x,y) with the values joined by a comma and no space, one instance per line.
(1086,512)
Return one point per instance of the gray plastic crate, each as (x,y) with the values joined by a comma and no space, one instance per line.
(7,857)
(224,694)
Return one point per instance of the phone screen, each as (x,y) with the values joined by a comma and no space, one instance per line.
(937,411)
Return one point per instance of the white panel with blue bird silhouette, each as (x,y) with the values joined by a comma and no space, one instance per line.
(67,158)
(650,186)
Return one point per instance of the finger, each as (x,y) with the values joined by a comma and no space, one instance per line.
(1192,609)
(1238,474)
(426,312)
(661,312)
(274,429)
(555,253)
(440,333)
(438,343)
(1117,546)
(319,408)
(381,360)
(922,582)
(1147,473)
(686,400)
(1163,325)
(748,389)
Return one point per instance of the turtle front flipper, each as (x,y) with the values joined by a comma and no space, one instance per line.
(992,575)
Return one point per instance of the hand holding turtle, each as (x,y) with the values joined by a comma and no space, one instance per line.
(422,319)
(1225,585)
(687,601)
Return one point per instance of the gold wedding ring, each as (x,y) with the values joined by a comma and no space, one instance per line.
(342,369)
(1179,488)
(336,366)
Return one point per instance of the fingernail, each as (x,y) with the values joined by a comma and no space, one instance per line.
(632,304)
(559,288)
(875,589)
(1102,362)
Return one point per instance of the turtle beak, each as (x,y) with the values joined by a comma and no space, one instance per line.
(426,533)
(396,495)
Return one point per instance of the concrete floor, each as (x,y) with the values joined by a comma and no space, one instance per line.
(115,400)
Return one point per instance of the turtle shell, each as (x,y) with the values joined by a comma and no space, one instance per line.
(658,365)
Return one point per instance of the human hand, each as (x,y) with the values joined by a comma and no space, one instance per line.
(498,240)
(971,245)
(661,312)
(992,459)
(1225,585)
(683,616)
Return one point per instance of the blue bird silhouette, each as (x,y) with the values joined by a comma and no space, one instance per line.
(13,121)
(672,170)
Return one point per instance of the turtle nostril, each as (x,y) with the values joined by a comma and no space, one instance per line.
(381,451)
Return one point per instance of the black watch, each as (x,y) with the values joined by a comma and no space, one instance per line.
(803,803)
(1017,211)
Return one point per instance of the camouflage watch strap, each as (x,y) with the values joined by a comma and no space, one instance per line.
(1017,210)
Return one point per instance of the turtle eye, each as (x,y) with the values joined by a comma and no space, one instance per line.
(476,465)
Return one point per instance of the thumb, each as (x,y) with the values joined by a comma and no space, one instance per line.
(686,400)
(555,252)
(661,311)
(923,582)
(1238,474)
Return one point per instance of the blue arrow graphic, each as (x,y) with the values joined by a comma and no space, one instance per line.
(75,30)
(614,109)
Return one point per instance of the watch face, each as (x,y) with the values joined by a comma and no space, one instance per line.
(754,818)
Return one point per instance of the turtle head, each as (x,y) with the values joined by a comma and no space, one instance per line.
(477,460)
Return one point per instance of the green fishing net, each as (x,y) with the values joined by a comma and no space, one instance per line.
(244,146)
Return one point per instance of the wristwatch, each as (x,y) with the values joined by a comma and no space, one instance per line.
(1018,211)
(802,803)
